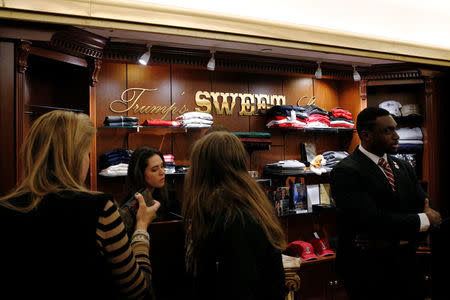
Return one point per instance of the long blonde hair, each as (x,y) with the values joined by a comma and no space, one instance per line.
(52,155)
(219,188)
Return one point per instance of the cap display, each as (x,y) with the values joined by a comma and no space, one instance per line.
(392,106)
(321,247)
(410,109)
(301,249)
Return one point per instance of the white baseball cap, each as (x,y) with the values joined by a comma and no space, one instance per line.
(392,106)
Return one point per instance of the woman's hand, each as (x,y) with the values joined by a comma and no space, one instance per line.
(145,214)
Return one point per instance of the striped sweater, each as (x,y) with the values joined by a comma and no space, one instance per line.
(72,246)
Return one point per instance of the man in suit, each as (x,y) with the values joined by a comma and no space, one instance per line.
(382,213)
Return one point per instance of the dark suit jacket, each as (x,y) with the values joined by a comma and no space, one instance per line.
(369,208)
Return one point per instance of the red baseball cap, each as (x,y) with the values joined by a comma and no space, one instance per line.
(301,249)
(321,247)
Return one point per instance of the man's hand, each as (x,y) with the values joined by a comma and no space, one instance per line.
(433,216)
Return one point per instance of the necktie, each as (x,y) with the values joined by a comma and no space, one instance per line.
(388,172)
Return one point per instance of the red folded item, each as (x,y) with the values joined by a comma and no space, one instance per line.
(321,247)
(339,112)
(278,118)
(318,118)
(161,123)
(284,125)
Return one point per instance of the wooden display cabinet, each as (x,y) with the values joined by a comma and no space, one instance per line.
(60,75)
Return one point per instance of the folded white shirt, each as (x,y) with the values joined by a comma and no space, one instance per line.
(410,133)
(410,142)
(195,115)
(115,170)
(196,121)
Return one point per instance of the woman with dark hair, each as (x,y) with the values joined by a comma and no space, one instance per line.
(234,239)
(146,175)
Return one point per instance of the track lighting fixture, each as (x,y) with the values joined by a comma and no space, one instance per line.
(212,62)
(318,73)
(143,60)
(356,76)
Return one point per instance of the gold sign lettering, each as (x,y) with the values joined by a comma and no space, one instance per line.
(132,104)
(223,103)
(225,106)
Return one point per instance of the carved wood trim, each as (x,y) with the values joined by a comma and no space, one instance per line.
(94,66)
(431,138)
(411,74)
(363,91)
(55,55)
(23,50)
(79,43)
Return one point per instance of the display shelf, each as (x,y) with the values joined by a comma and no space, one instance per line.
(300,173)
(155,130)
(313,130)
(320,260)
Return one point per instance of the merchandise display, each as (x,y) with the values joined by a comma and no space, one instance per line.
(120,121)
(301,249)
(321,247)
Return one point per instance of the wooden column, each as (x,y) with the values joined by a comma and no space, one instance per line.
(291,267)
(94,66)
(432,140)
(22,52)
(7,117)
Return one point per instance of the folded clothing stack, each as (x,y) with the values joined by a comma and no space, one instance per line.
(169,163)
(161,123)
(255,140)
(195,119)
(120,121)
(115,170)
(285,167)
(410,138)
(334,157)
(115,162)
(317,117)
(281,116)
(341,118)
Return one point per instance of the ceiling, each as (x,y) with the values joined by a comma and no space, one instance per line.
(44,32)
(143,38)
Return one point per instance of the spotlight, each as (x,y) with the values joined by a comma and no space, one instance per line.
(143,60)
(356,76)
(318,73)
(212,62)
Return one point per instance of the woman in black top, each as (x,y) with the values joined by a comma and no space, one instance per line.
(61,240)
(234,239)
(146,175)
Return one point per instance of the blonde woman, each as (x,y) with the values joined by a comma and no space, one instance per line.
(234,239)
(59,239)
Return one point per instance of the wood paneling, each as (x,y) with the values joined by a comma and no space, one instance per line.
(295,88)
(260,158)
(231,83)
(7,118)
(326,93)
(112,82)
(150,77)
(263,84)
(349,98)
(186,81)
